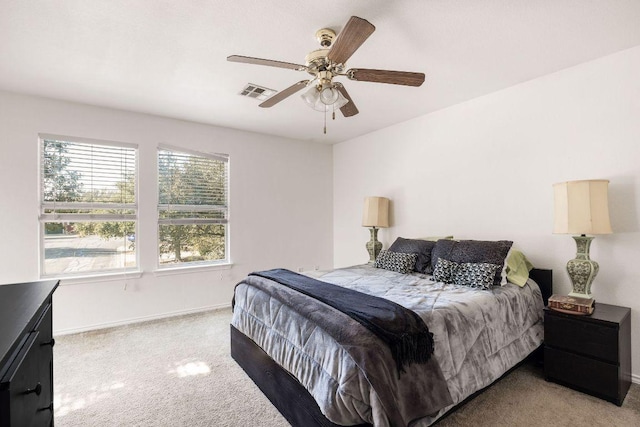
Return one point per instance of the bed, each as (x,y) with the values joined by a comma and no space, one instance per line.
(314,378)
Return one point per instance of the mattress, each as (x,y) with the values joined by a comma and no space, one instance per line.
(478,336)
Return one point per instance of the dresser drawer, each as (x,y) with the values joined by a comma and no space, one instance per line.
(590,339)
(26,354)
(45,342)
(22,388)
(44,328)
(44,325)
(582,373)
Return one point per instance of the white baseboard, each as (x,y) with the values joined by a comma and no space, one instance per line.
(140,319)
(635,379)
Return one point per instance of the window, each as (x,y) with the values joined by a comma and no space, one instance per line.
(88,206)
(193,193)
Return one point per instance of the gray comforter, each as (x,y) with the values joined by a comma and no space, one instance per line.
(478,336)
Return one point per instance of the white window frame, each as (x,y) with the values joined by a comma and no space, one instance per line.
(74,217)
(213,264)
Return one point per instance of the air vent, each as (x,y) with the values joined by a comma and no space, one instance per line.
(254,91)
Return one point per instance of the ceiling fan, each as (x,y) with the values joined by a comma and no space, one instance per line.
(328,62)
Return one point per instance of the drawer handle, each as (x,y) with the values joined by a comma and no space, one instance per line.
(47,408)
(51,343)
(37,390)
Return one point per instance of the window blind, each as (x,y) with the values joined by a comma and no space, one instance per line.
(87,181)
(192,188)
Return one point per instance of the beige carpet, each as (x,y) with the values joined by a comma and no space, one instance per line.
(178,372)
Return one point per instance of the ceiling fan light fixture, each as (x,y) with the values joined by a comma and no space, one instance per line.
(341,101)
(324,99)
(311,97)
(328,95)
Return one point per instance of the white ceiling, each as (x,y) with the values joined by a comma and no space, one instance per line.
(169,57)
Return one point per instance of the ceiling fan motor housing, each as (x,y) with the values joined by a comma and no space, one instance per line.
(317,61)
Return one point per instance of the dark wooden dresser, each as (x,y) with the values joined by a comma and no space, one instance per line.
(592,353)
(26,354)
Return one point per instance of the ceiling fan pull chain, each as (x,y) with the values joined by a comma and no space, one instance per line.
(325,121)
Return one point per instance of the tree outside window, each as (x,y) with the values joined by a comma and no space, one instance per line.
(192,208)
(88,206)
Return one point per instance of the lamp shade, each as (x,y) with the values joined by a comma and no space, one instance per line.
(376,212)
(581,207)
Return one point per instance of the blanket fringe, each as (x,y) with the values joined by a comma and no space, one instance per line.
(412,348)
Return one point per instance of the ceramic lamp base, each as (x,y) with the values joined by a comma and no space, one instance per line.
(582,270)
(373,246)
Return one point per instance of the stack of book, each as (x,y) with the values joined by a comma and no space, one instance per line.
(572,305)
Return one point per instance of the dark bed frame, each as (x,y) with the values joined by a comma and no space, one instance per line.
(291,398)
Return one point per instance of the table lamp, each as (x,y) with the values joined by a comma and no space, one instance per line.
(581,208)
(375,215)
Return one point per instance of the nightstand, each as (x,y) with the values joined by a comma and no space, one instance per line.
(592,353)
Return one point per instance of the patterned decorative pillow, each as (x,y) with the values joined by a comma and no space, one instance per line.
(476,275)
(396,261)
(422,248)
(444,270)
(442,249)
(474,251)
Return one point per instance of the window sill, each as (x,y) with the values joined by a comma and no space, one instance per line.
(168,271)
(92,278)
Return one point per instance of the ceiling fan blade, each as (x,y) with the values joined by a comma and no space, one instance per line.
(349,109)
(268,62)
(386,76)
(284,94)
(350,39)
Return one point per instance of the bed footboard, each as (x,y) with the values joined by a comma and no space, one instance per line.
(284,391)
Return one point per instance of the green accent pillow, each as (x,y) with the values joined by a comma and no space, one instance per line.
(518,267)
(436,238)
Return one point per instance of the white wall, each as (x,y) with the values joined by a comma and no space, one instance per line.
(280,210)
(484,170)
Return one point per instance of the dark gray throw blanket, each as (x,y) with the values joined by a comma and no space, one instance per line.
(401,329)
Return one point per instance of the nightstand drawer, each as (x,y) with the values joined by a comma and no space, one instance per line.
(582,373)
(574,334)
